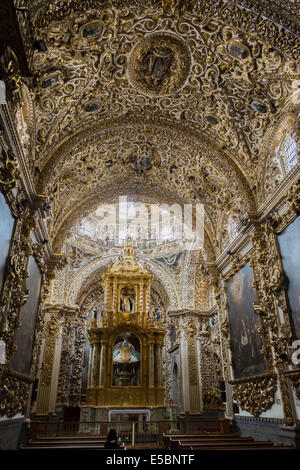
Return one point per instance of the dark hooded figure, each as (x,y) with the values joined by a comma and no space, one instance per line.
(112,440)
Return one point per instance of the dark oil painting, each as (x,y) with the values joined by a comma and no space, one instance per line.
(289,244)
(244,323)
(6,229)
(21,360)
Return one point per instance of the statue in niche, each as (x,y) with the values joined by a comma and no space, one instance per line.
(98,313)
(157,63)
(127,301)
(125,352)
(157,314)
(126,361)
(127,304)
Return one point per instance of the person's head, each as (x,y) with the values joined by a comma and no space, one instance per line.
(112,435)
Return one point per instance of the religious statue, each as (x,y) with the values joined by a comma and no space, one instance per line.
(157,64)
(127,304)
(125,352)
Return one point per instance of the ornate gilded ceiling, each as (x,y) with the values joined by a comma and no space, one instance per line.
(169,101)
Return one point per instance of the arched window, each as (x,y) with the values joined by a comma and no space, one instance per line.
(173,336)
(288,153)
(86,228)
(291,153)
(233,229)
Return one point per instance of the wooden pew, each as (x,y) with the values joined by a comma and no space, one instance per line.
(215,444)
(65,442)
(168,439)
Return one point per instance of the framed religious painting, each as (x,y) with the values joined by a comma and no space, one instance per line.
(24,339)
(7,223)
(246,341)
(289,247)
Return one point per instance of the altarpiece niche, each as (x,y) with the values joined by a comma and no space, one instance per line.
(125,364)
(126,360)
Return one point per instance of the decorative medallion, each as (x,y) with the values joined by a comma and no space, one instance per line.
(238,50)
(211,119)
(91,30)
(142,160)
(259,106)
(159,65)
(49,81)
(91,107)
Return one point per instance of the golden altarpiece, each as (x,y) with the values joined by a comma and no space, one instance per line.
(125,366)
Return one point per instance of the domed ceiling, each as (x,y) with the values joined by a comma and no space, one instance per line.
(161,101)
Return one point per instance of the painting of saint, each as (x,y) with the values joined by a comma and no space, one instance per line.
(289,245)
(244,323)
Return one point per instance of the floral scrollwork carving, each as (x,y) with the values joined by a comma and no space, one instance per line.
(293,197)
(77,358)
(14,390)
(211,398)
(14,295)
(10,69)
(269,282)
(294,376)
(9,171)
(225,329)
(52,330)
(256,394)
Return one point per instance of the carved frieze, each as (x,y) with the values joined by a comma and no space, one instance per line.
(14,389)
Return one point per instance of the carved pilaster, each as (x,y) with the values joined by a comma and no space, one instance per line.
(194,391)
(209,368)
(76,360)
(44,392)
